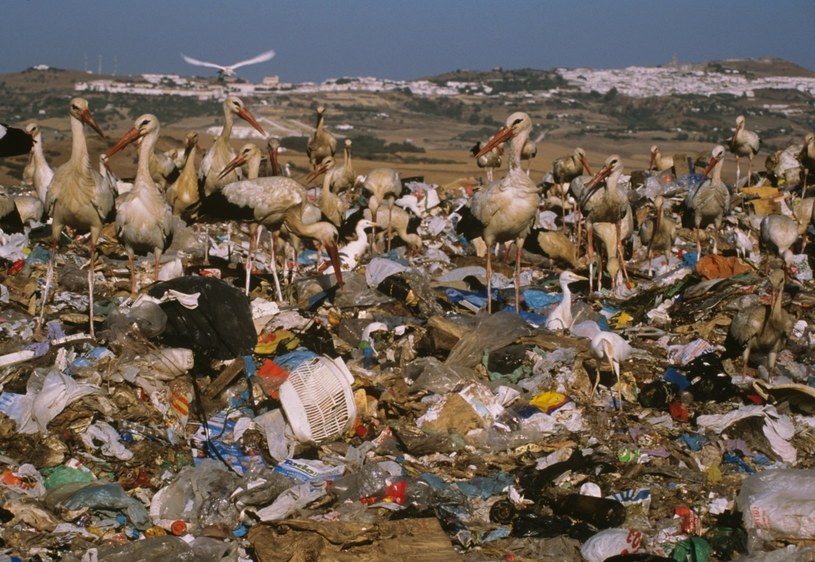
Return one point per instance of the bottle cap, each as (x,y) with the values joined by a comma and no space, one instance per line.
(178,528)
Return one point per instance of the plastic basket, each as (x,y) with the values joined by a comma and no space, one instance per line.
(317,399)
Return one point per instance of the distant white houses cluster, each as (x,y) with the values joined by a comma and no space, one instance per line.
(634,81)
(642,82)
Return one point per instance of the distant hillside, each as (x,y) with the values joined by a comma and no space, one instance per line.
(429,130)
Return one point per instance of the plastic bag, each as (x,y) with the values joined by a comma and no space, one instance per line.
(779,504)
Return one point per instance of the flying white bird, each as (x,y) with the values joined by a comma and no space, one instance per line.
(229,70)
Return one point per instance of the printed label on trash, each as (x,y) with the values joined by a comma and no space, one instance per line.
(307,470)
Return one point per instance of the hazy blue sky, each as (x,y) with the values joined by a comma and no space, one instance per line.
(315,40)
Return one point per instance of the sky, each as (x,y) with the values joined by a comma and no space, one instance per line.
(316,40)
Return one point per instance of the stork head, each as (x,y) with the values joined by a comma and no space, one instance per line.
(143,125)
(327,164)
(235,105)
(244,155)
(716,156)
(78,109)
(517,122)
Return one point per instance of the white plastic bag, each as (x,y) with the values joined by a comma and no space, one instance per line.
(779,504)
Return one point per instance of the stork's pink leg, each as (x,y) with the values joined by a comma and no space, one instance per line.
(489,281)
(590,251)
(517,277)
(274,267)
(49,278)
(132,274)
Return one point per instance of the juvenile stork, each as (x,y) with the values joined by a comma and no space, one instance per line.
(658,234)
(144,220)
(182,194)
(78,197)
(507,207)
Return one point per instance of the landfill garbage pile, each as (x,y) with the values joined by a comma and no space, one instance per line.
(671,417)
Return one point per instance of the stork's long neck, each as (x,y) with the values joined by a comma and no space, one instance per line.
(320,121)
(716,174)
(229,118)
(516,147)
(143,176)
(347,160)
(274,162)
(253,167)
(79,146)
(37,154)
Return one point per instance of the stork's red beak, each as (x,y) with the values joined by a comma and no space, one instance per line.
(602,174)
(130,136)
(710,165)
(585,165)
(321,169)
(239,160)
(88,119)
(499,137)
(246,116)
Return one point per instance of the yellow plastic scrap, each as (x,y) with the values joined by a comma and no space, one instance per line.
(620,320)
(269,343)
(549,401)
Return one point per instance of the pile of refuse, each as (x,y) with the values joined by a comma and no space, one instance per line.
(393,418)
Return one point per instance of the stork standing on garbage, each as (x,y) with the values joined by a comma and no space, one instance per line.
(78,197)
(507,207)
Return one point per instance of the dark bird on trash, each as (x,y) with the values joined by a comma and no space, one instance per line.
(14,141)
(761,327)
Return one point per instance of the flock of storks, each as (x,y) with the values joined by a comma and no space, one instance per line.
(227,185)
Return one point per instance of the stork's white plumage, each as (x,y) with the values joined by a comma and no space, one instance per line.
(229,69)
(144,220)
(560,318)
(613,348)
